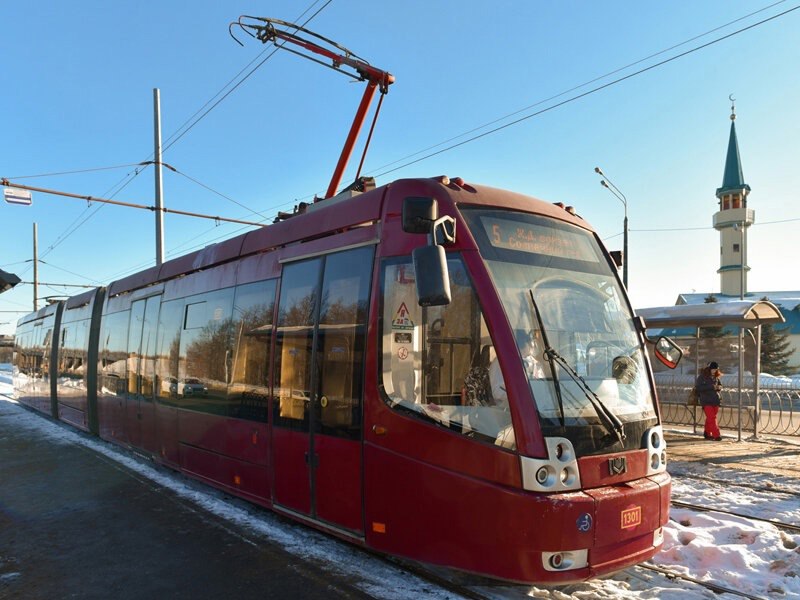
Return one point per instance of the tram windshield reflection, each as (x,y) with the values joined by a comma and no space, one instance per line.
(586,320)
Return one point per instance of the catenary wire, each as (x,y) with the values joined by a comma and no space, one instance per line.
(588,92)
(131,176)
(582,85)
(619,80)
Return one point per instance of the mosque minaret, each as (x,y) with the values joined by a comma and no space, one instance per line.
(732,220)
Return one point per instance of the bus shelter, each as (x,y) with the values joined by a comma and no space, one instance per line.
(746,315)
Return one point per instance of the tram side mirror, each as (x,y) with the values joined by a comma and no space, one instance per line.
(668,352)
(419,214)
(617,257)
(433,279)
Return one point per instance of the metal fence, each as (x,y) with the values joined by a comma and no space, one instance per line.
(777,411)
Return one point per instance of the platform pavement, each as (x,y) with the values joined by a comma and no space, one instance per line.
(75,524)
(767,454)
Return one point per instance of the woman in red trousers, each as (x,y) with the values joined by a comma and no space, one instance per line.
(708,392)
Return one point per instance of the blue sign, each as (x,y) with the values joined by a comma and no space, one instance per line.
(584,522)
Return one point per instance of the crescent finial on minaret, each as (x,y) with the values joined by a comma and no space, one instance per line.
(733,107)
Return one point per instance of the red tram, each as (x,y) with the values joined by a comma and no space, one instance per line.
(435,370)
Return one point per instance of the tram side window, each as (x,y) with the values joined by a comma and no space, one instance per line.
(436,361)
(248,392)
(148,348)
(113,360)
(319,355)
(206,352)
(72,355)
(168,351)
(44,358)
(22,353)
(295,336)
(340,344)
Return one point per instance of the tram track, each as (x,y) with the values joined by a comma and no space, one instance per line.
(714,587)
(783,526)
(767,489)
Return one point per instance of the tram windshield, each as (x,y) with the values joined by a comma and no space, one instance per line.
(560,295)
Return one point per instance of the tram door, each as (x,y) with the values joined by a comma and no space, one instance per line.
(140,416)
(318,383)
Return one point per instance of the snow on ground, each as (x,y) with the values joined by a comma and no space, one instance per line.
(739,553)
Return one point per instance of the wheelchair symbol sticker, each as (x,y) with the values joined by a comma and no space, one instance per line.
(584,522)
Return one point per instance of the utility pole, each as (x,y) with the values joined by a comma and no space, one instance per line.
(159,188)
(35,267)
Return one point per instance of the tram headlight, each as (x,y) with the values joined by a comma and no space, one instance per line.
(543,476)
(568,477)
(655,439)
(558,472)
(557,561)
(567,560)
(657,450)
(658,536)
(564,452)
(655,461)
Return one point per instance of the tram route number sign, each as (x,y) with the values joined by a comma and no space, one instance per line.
(18,196)
(537,239)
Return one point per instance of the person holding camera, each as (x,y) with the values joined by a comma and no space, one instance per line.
(708,387)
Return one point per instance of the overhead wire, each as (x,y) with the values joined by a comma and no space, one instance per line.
(516,121)
(228,93)
(577,87)
(582,85)
(203,113)
(128,178)
(588,92)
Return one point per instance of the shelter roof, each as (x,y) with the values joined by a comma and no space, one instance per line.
(713,314)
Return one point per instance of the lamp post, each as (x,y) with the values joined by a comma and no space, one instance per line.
(606,183)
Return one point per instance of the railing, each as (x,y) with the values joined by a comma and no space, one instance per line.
(777,411)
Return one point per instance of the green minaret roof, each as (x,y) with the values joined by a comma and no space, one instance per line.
(733,180)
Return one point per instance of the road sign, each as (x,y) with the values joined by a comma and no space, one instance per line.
(18,196)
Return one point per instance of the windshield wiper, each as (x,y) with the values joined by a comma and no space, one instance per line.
(549,358)
(610,421)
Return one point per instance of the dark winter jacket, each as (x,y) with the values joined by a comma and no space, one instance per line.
(708,388)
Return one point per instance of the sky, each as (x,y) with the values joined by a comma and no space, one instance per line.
(526,96)
(738,553)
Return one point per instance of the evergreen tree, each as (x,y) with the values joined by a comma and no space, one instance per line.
(711,332)
(775,350)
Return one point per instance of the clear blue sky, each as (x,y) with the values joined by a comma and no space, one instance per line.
(78,86)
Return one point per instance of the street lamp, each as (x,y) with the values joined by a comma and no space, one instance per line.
(607,183)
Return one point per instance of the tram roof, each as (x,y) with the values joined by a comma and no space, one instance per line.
(712,314)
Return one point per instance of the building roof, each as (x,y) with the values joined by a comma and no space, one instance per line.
(732,179)
(787,301)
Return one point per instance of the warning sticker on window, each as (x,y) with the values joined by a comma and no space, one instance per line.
(402,319)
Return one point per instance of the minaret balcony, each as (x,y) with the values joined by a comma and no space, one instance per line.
(734,216)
